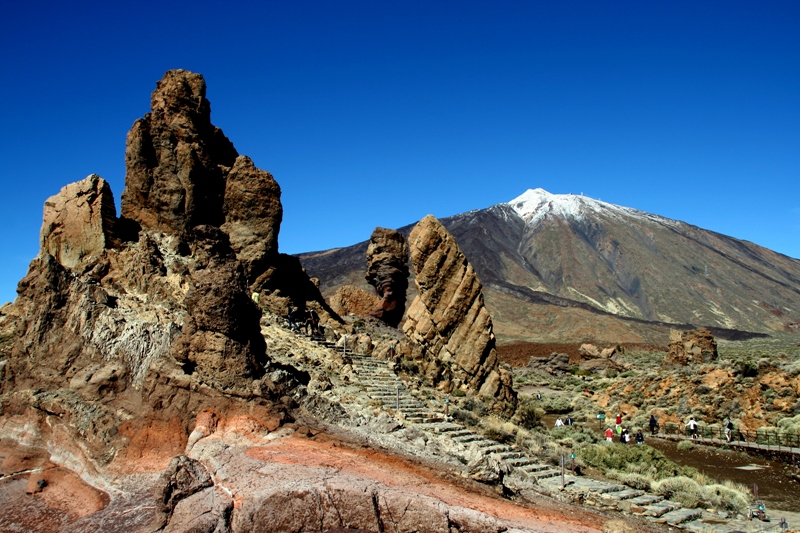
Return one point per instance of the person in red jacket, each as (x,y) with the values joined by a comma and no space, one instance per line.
(619,419)
(609,435)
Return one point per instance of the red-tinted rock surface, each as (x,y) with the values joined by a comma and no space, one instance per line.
(387,271)
(448,322)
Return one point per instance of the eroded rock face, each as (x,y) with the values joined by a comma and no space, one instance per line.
(691,347)
(253,215)
(448,320)
(387,271)
(176,160)
(79,221)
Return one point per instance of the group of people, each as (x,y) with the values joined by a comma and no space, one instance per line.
(623,434)
(568,422)
(310,320)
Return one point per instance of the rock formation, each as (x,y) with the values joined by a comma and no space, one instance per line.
(448,324)
(119,336)
(79,221)
(253,215)
(691,347)
(176,160)
(387,271)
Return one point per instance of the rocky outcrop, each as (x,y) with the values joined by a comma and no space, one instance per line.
(387,271)
(253,215)
(176,160)
(79,221)
(691,347)
(448,324)
(119,341)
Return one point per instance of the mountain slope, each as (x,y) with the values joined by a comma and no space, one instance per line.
(635,269)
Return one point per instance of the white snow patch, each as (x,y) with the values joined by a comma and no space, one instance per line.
(536,204)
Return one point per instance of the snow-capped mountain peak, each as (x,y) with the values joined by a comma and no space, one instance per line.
(535,204)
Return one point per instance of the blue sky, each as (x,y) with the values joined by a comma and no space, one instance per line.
(378,113)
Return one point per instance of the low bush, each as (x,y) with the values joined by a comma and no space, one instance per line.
(685,445)
(630,458)
(529,414)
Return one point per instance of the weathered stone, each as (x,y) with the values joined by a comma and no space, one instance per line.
(448,319)
(387,271)
(691,347)
(253,215)
(182,478)
(176,160)
(78,221)
(350,299)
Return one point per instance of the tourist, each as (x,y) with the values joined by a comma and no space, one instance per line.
(624,437)
(569,421)
(728,429)
(639,437)
(653,425)
(619,419)
(609,435)
(291,316)
(559,422)
(692,425)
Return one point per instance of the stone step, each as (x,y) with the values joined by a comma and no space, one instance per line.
(467,437)
(424,419)
(544,474)
(533,468)
(645,499)
(520,462)
(494,447)
(509,455)
(661,508)
(679,516)
(625,494)
(607,488)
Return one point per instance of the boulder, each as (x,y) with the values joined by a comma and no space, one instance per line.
(589,350)
(78,221)
(691,347)
(350,299)
(387,271)
(176,160)
(448,321)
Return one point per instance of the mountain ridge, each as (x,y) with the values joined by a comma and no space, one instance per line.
(627,263)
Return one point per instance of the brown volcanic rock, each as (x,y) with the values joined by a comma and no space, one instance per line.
(78,221)
(221,337)
(387,271)
(448,320)
(350,299)
(253,215)
(176,160)
(691,347)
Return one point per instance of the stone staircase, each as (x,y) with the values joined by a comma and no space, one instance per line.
(383,385)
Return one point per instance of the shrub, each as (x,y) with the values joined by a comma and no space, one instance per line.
(641,459)
(464,416)
(409,366)
(611,373)
(685,445)
(529,415)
